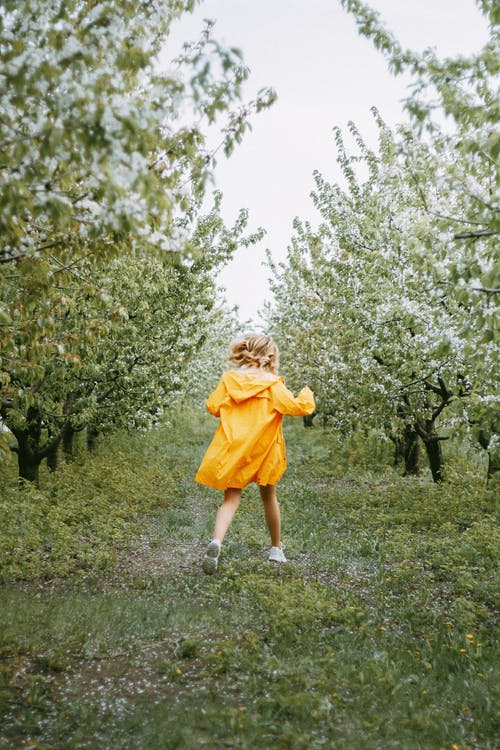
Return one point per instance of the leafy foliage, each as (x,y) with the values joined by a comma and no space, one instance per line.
(121,340)
(93,140)
(465,204)
(390,308)
(83,514)
(105,256)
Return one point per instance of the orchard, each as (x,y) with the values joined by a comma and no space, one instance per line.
(379,631)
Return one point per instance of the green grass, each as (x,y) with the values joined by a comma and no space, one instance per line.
(378,635)
(80,515)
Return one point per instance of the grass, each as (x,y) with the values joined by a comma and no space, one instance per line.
(378,634)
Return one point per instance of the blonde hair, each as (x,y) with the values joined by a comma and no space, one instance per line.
(255,350)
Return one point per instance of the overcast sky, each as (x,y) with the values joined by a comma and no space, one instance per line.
(324,75)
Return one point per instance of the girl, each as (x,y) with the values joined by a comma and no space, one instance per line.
(248,445)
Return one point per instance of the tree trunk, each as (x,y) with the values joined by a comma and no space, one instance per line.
(92,435)
(493,465)
(68,434)
(407,450)
(426,429)
(399,453)
(484,438)
(411,452)
(28,443)
(308,419)
(29,464)
(435,456)
(30,451)
(55,457)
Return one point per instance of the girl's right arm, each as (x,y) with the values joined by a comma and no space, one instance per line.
(286,403)
(215,400)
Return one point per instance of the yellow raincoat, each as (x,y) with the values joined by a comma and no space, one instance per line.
(248,444)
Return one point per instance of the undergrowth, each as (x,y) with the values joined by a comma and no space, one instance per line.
(80,515)
(377,635)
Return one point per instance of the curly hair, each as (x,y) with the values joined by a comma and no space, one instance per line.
(255,350)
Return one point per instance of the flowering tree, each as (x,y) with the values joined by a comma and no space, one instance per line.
(143,364)
(121,341)
(96,144)
(465,90)
(359,312)
(466,207)
(103,156)
(389,308)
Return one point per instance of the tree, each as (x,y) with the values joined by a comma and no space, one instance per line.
(359,313)
(103,156)
(95,139)
(465,91)
(142,322)
(402,275)
(142,366)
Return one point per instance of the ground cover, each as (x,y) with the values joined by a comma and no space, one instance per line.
(378,634)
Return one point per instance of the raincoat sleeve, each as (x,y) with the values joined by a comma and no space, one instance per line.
(286,403)
(215,399)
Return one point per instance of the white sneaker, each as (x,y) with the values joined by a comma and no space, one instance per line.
(276,555)
(211,559)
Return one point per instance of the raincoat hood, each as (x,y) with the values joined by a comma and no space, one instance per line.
(244,385)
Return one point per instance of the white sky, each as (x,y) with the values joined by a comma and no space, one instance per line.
(325,75)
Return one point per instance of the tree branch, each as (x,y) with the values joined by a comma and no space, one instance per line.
(474,235)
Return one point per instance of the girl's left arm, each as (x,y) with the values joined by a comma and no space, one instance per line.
(294,406)
(215,399)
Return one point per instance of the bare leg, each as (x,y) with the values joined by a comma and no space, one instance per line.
(271,512)
(226,512)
